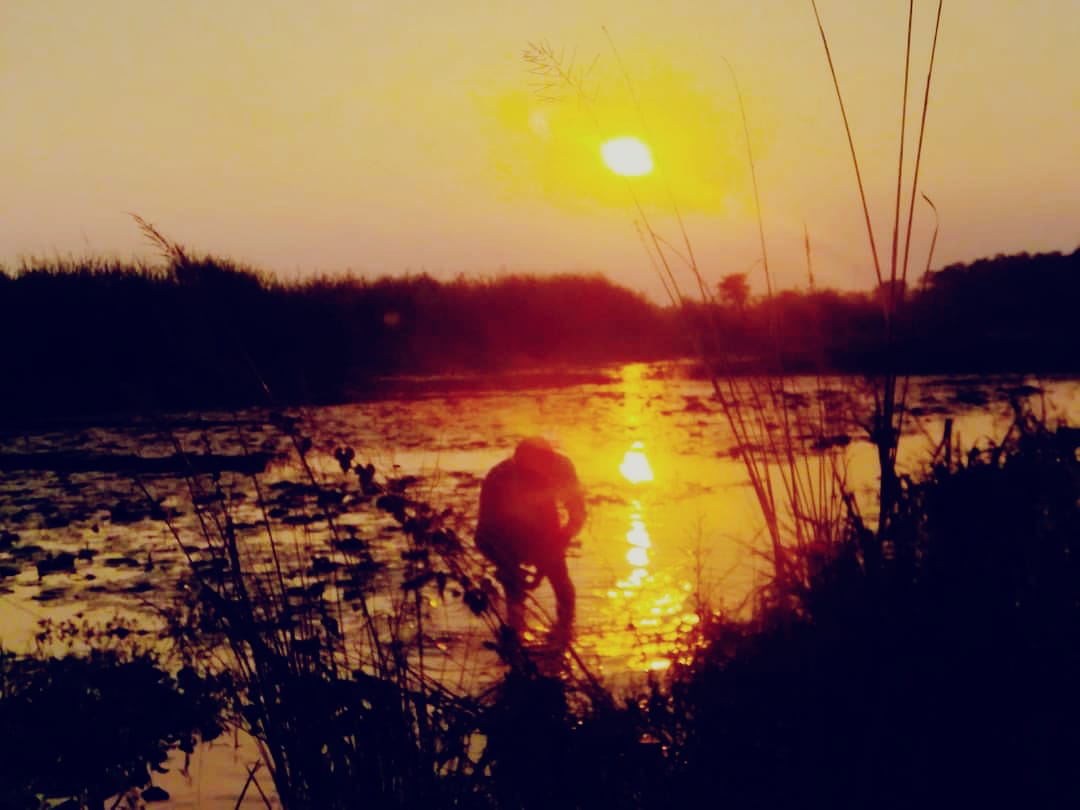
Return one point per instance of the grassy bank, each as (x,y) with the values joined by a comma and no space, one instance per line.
(932,670)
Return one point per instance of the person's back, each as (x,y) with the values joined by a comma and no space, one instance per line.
(519,515)
(520,524)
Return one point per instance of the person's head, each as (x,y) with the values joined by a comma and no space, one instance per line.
(535,454)
(537,457)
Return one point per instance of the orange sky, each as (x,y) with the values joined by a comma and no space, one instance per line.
(388,136)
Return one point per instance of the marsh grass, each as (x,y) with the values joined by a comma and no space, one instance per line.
(317,594)
(944,674)
(333,681)
(889,407)
(327,625)
(338,689)
(887,664)
(791,442)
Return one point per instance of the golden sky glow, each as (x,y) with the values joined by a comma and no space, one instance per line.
(391,136)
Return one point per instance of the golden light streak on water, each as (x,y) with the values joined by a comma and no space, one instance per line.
(635,466)
(650,604)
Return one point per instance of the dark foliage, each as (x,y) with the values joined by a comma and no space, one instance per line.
(550,745)
(94,726)
(96,336)
(1008,312)
(939,672)
(106,336)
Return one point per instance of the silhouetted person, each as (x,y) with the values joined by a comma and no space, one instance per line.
(522,503)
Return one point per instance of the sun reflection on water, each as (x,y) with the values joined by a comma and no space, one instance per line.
(649,602)
(635,466)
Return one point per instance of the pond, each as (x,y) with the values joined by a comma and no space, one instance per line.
(673,524)
(671,516)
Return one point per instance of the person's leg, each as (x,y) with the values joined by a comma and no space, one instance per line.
(514,587)
(565,598)
(509,575)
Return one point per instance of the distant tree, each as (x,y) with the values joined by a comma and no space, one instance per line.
(734,291)
(891,294)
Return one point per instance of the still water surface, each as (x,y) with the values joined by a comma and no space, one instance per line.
(671,517)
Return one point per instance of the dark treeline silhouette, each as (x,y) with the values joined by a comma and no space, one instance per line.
(1008,313)
(1013,312)
(93,335)
(96,335)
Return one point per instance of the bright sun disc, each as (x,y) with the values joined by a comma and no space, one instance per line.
(627,156)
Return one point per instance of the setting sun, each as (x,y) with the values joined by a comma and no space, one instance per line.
(627,156)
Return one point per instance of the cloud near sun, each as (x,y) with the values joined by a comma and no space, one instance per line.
(552,149)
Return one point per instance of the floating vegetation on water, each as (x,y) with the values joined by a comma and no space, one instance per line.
(88,727)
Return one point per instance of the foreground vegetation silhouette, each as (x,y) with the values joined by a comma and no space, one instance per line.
(93,725)
(927,661)
(933,668)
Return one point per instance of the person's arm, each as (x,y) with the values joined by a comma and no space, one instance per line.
(573,496)
(575,506)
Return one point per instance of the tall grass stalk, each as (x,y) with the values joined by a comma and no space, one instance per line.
(889,409)
(335,689)
(790,454)
(327,625)
(779,466)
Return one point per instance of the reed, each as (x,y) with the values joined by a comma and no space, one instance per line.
(889,408)
(336,689)
(791,447)
(315,592)
(906,685)
(318,598)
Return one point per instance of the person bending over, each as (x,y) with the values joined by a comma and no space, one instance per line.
(531,507)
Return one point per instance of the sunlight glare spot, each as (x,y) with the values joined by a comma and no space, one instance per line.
(637,577)
(637,556)
(638,535)
(659,664)
(627,156)
(635,466)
